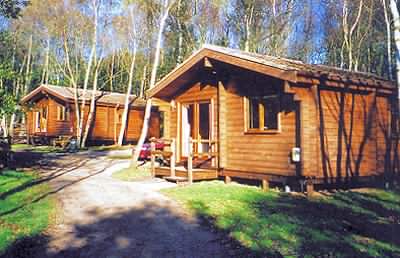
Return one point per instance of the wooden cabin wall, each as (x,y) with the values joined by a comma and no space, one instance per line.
(106,125)
(198,92)
(349,133)
(135,122)
(58,127)
(42,103)
(256,153)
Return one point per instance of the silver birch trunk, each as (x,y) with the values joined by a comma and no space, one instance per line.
(112,72)
(92,109)
(127,99)
(147,114)
(388,39)
(396,28)
(87,73)
(45,72)
(143,82)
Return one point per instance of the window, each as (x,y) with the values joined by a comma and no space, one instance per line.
(263,113)
(63,113)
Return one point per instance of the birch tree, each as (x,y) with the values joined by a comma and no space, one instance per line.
(166,7)
(133,39)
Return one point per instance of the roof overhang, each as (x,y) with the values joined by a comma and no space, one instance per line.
(182,74)
(42,89)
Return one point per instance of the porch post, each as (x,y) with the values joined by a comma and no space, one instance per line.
(173,157)
(153,158)
(190,162)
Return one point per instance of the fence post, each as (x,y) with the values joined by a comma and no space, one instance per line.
(173,157)
(153,158)
(190,162)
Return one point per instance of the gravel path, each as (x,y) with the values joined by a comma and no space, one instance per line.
(104,217)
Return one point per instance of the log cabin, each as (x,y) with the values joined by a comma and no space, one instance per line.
(236,114)
(51,113)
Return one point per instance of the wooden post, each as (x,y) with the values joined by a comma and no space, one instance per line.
(173,157)
(190,162)
(309,187)
(153,158)
(265,185)
(228,179)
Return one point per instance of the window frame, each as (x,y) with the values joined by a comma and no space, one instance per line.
(261,115)
(63,113)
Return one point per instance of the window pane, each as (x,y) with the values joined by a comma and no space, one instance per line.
(271,111)
(254,111)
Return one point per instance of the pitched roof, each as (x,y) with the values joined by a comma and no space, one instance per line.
(67,94)
(281,68)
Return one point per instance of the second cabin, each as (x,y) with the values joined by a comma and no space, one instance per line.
(51,114)
(250,116)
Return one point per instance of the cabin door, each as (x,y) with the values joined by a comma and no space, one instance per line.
(196,124)
(41,120)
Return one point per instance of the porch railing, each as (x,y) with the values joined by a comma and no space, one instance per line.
(170,144)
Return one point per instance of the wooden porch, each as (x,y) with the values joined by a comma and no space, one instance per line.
(188,170)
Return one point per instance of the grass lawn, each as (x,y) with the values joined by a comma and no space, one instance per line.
(39,149)
(362,223)
(21,213)
(133,174)
(120,157)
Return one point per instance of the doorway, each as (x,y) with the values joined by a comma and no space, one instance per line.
(196,124)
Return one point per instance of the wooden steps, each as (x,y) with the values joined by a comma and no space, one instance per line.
(176,179)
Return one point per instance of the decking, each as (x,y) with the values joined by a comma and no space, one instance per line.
(182,173)
(190,169)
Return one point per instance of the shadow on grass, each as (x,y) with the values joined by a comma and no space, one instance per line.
(151,230)
(344,224)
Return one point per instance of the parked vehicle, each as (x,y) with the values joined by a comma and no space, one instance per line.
(145,153)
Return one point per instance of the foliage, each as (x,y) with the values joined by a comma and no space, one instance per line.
(24,209)
(7,103)
(272,224)
(11,8)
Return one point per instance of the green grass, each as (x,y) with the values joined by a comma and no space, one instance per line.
(39,149)
(132,174)
(120,157)
(22,212)
(272,224)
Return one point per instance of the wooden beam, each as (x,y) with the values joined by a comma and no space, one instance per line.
(207,63)
(153,158)
(265,185)
(173,157)
(190,162)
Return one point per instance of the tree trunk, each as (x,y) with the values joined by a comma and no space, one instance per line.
(28,66)
(45,72)
(127,100)
(147,114)
(396,21)
(88,70)
(92,110)
(143,82)
(112,71)
(388,39)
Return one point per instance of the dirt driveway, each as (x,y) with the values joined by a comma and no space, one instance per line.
(103,217)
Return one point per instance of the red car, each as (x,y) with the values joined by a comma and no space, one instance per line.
(146,150)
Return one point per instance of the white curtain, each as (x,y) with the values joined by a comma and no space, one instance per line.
(185,131)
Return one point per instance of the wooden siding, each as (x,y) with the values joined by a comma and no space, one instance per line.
(106,125)
(255,152)
(264,154)
(198,92)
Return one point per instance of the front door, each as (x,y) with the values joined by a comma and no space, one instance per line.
(196,124)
